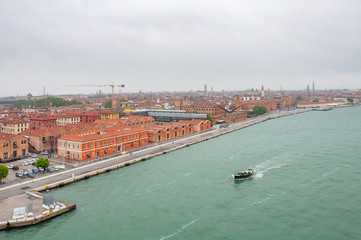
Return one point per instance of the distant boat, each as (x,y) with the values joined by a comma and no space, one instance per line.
(322,108)
(244,174)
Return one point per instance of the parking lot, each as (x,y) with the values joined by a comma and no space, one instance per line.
(25,169)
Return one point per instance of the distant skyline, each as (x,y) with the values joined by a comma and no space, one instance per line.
(178,45)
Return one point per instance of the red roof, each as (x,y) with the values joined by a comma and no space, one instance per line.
(32,132)
(92,135)
(7,136)
(12,120)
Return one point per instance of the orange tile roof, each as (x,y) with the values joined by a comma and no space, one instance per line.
(13,120)
(32,132)
(92,135)
(108,112)
(7,136)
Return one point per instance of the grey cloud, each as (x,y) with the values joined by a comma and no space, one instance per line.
(178,45)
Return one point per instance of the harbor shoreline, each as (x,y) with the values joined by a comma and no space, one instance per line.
(127,160)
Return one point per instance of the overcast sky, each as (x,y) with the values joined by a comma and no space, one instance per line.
(178,45)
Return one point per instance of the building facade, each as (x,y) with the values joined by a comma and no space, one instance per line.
(205,109)
(108,114)
(89,117)
(42,121)
(12,146)
(40,140)
(102,142)
(13,125)
(63,119)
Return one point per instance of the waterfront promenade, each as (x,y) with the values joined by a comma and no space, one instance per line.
(82,172)
(22,187)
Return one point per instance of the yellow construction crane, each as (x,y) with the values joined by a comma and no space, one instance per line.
(102,85)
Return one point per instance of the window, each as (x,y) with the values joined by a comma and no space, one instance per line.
(106,142)
(85,146)
(97,144)
(91,145)
(101,143)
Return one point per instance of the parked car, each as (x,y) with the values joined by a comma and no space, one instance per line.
(31,175)
(35,170)
(27,171)
(49,169)
(34,155)
(45,153)
(19,174)
(15,168)
(40,169)
(56,168)
(10,166)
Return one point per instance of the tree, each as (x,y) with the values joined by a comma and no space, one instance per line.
(316,100)
(259,110)
(209,118)
(123,100)
(20,103)
(299,98)
(55,102)
(350,100)
(4,171)
(42,162)
(108,104)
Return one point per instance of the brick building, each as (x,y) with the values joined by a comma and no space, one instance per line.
(40,140)
(212,110)
(198,125)
(12,146)
(89,117)
(101,142)
(42,121)
(166,131)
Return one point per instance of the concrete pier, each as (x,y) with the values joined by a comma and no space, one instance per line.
(32,216)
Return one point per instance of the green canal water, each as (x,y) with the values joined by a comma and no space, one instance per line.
(307,186)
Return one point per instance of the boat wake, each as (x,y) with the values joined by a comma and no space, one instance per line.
(260,173)
(179,230)
(325,175)
(274,163)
